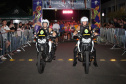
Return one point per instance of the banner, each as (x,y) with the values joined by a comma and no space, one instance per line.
(95,13)
(37,14)
(66,4)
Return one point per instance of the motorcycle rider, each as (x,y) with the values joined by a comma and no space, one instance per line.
(45,26)
(84,26)
(56,28)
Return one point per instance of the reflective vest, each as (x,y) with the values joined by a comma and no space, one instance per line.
(85,31)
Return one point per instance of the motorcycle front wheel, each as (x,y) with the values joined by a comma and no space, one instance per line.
(40,63)
(87,62)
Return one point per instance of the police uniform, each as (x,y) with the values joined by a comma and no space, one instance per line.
(85,31)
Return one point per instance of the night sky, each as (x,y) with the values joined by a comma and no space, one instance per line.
(6,5)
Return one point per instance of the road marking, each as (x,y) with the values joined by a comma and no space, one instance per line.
(123,60)
(21,59)
(102,59)
(12,60)
(70,60)
(113,60)
(60,60)
(31,60)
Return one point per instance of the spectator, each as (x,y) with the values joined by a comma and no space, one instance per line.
(104,25)
(19,30)
(51,25)
(116,23)
(0,49)
(30,24)
(62,34)
(72,29)
(20,26)
(61,31)
(121,23)
(124,26)
(5,29)
(11,25)
(111,25)
(68,32)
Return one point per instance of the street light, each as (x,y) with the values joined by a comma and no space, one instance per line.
(103,14)
(67,11)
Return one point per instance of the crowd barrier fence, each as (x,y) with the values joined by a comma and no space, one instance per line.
(115,36)
(16,40)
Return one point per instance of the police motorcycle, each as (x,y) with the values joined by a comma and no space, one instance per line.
(54,46)
(86,48)
(44,48)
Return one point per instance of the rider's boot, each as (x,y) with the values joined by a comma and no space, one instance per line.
(53,52)
(95,61)
(48,58)
(75,58)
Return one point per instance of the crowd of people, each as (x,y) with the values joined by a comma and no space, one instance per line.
(11,27)
(116,23)
(65,30)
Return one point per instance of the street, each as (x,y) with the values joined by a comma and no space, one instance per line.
(22,69)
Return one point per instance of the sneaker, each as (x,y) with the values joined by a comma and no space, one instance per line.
(3,58)
(18,50)
(25,46)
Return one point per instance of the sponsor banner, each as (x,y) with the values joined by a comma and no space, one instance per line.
(95,13)
(66,4)
(37,14)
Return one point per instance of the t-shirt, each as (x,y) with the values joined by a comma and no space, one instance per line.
(3,31)
(19,30)
(4,34)
(56,27)
(61,26)
(75,26)
(6,28)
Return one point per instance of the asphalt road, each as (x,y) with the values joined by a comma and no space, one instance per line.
(22,69)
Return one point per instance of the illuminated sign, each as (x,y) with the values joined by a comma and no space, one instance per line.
(67,11)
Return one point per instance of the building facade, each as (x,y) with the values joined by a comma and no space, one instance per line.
(111,6)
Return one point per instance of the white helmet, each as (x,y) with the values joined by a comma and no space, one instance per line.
(45,21)
(83,19)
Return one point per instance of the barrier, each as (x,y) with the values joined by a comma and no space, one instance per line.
(116,36)
(15,40)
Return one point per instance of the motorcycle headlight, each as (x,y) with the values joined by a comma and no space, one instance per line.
(41,41)
(86,40)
